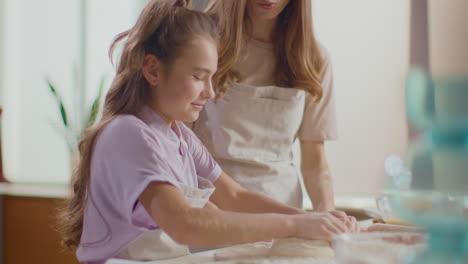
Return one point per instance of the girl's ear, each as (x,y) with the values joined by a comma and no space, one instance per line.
(151,69)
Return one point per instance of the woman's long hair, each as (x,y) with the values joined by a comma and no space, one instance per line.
(163,29)
(297,53)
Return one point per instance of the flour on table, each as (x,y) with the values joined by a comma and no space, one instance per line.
(244,251)
(301,248)
(377,247)
(277,261)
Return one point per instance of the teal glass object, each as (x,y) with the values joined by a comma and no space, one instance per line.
(437,104)
(436,195)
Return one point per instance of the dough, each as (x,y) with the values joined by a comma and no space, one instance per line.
(301,248)
(244,251)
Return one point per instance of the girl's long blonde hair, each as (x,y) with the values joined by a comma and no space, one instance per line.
(163,29)
(298,58)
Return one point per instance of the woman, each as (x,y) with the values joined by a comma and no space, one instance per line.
(274,85)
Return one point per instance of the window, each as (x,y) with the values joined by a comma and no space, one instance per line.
(39,40)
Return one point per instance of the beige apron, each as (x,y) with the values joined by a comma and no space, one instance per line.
(251,133)
(157,245)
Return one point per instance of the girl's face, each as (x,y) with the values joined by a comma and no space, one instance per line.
(182,89)
(265,9)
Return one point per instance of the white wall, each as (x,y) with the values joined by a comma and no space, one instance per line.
(367,39)
(448,35)
(103,26)
(369,44)
(42,45)
(2,29)
(41,39)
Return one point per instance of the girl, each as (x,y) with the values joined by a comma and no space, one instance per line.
(146,188)
(277,84)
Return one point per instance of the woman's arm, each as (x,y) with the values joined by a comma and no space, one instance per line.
(317,177)
(207,227)
(229,195)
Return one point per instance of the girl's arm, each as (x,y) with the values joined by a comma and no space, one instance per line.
(207,227)
(229,195)
(317,177)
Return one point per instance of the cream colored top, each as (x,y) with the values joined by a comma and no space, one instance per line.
(251,131)
(256,68)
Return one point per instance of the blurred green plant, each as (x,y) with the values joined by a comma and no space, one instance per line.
(73,131)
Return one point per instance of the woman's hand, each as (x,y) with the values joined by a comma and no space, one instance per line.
(323,225)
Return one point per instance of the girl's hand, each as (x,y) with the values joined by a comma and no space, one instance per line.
(321,226)
(210,205)
(350,221)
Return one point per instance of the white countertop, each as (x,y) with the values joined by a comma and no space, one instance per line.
(390,251)
(207,257)
(54,191)
(201,257)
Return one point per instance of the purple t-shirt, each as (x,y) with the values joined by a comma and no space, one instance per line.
(130,153)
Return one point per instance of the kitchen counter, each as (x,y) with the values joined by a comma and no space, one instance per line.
(201,257)
(54,191)
(39,190)
(383,249)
